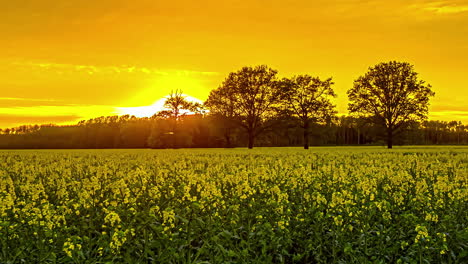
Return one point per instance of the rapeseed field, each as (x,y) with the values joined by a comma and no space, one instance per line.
(267,205)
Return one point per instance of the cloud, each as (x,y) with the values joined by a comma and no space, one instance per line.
(27,99)
(48,110)
(448,9)
(115,69)
(28,102)
(443,7)
(449,116)
(449,108)
(8,121)
(60,114)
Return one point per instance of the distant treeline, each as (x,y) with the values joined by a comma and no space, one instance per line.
(207,131)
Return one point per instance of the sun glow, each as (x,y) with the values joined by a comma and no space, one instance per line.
(150,110)
(160,88)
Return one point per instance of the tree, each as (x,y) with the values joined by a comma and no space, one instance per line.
(177,106)
(308,99)
(221,103)
(251,94)
(391,95)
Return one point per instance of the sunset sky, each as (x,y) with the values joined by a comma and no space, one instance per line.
(63,61)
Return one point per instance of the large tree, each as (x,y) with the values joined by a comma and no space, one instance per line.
(391,95)
(308,99)
(247,96)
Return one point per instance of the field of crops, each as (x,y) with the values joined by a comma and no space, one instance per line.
(325,205)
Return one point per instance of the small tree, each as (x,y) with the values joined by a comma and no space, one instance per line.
(390,95)
(308,99)
(176,106)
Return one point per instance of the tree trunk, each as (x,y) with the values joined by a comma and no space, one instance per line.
(306,135)
(389,138)
(251,138)
(358,136)
(174,133)
(227,137)
(228,141)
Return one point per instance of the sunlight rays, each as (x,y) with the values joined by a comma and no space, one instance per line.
(150,110)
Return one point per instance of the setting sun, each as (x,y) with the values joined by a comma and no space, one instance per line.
(162,85)
(150,110)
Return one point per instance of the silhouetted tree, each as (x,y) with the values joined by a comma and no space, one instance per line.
(222,103)
(391,95)
(177,106)
(308,99)
(252,92)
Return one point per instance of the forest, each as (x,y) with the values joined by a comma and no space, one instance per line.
(203,131)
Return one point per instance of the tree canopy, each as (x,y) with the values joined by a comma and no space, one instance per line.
(221,103)
(308,99)
(249,95)
(390,94)
(177,105)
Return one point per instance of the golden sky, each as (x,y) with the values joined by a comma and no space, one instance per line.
(63,61)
